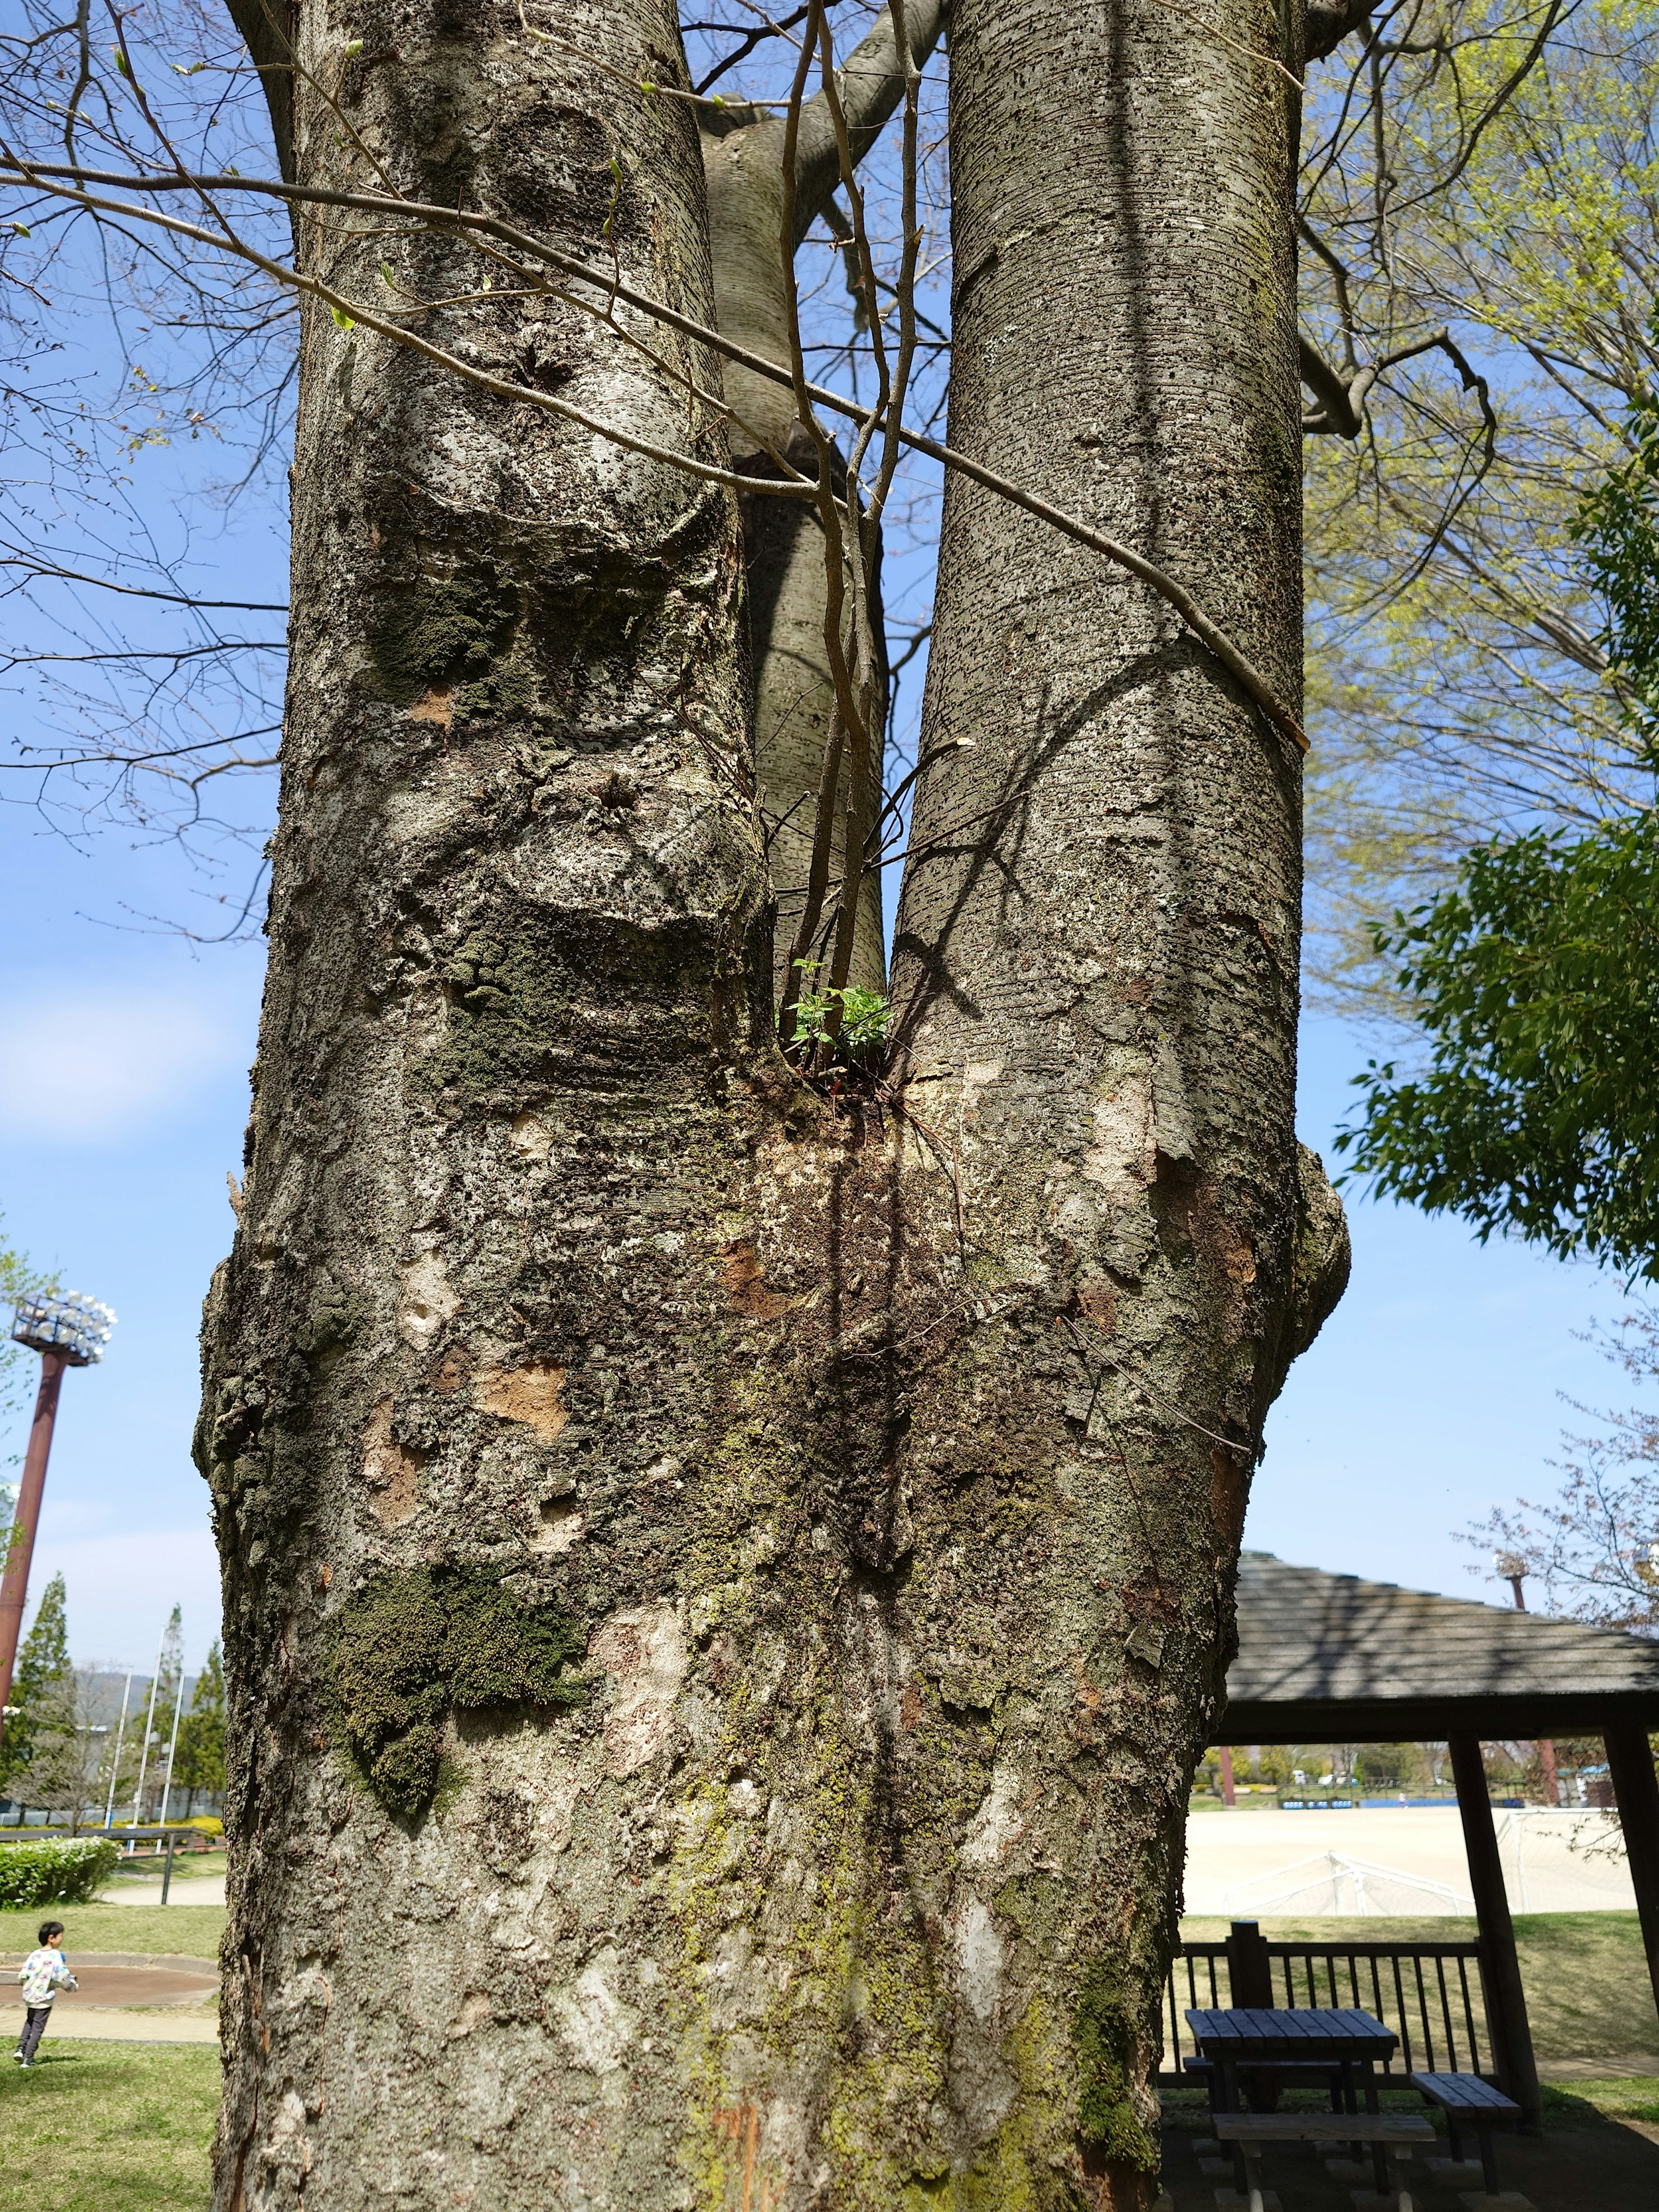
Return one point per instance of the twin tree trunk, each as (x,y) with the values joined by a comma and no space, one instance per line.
(723,1598)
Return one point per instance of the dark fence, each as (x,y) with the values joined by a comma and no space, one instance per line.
(1430,1993)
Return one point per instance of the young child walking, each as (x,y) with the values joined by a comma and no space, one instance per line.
(43,1973)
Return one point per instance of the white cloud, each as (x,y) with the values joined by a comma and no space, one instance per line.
(97,1066)
(118,1591)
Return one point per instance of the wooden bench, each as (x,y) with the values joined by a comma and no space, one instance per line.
(1469,2102)
(1389,2133)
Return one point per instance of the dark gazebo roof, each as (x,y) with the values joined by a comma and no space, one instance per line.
(1330,1658)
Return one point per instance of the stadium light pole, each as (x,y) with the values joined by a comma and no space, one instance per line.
(67,1330)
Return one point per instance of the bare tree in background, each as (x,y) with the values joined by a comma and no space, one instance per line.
(1593,1549)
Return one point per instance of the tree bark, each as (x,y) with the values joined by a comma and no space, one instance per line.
(743,152)
(1095,971)
(519,930)
(723,1594)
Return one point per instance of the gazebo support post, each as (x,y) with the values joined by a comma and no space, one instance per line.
(1506,2001)
(1636,1787)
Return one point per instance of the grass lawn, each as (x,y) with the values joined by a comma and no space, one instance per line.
(1587,1993)
(194,1930)
(108,2127)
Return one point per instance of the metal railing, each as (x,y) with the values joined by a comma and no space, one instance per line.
(1430,1993)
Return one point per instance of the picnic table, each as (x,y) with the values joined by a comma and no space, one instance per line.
(1341,2040)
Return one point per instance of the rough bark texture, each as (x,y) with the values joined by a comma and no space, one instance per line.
(1098,994)
(718,1629)
(519,912)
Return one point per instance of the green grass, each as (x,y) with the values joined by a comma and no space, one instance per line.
(1587,1993)
(1636,2099)
(192,1929)
(116,2127)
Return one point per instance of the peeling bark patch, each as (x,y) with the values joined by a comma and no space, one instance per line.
(595,2024)
(427,1301)
(561,1522)
(534,1394)
(747,1289)
(437,706)
(391,1470)
(645,1650)
(407,1648)
(473,2013)
(1120,1161)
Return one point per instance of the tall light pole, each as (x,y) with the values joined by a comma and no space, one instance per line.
(67,1330)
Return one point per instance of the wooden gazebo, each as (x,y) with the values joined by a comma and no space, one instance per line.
(1327,1658)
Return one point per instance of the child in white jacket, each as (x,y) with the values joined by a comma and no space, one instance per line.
(43,1973)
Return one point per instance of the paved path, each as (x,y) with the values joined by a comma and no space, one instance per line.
(92,2026)
(186,1889)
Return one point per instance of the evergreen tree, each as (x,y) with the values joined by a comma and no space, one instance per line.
(200,1763)
(42,1676)
(168,1676)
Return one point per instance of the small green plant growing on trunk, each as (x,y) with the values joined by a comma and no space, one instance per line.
(847,1021)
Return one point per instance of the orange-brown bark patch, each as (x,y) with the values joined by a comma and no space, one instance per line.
(391,1469)
(747,1288)
(533,1393)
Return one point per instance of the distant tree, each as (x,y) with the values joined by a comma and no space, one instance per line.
(170,1675)
(1592,1550)
(67,1772)
(1388,1765)
(42,1676)
(200,1763)
(1535,977)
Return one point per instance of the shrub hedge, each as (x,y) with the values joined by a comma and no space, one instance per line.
(57,1870)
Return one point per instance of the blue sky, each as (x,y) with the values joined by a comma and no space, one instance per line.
(1432,1393)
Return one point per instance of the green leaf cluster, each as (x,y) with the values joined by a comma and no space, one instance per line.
(1536,979)
(199,1762)
(1617,529)
(57,1870)
(850,1019)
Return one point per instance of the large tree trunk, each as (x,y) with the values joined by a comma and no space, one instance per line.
(718,1620)
(519,930)
(1098,1003)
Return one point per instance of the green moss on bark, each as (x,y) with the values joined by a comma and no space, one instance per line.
(417,1644)
(450,631)
(1103,2037)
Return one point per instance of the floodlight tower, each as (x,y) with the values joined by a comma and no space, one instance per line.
(67,1330)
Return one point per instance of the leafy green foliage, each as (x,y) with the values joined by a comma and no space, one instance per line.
(40,1680)
(851,1020)
(1617,528)
(412,1646)
(57,1870)
(200,1761)
(1536,973)
(1537,978)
